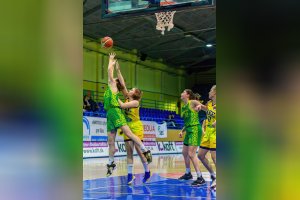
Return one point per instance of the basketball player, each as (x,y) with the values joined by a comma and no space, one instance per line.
(132,114)
(208,142)
(192,138)
(116,118)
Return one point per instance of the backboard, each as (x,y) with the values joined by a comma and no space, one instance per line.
(114,8)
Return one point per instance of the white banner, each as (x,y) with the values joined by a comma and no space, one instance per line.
(94,129)
(166,147)
(150,129)
(152,146)
(162,130)
(100,149)
(95,149)
(179,146)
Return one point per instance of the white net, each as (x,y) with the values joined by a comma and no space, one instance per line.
(164,19)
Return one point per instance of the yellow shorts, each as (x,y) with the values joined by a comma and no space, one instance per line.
(137,129)
(209,139)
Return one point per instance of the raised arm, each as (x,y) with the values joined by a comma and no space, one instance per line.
(197,106)
(130,104)
(121,79)
(110,68)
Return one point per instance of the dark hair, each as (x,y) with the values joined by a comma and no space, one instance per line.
(137,95)
(190,92)
(197,96)
(119,85)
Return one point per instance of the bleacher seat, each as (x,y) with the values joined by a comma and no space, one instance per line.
(149,114)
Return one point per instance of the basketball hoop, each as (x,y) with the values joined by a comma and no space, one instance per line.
(164,19)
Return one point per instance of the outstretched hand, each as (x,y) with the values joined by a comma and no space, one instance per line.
(112,56)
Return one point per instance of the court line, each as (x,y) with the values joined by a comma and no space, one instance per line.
(203,186)
(159,195)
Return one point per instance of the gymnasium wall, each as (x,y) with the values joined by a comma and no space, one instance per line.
(201,78)
(158,81)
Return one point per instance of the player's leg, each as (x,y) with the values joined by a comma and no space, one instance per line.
(129,150)
(145,164)
(213,152)
(111,152)
(126,130)
(205,146)
(185,152)
(202,156)
(213,156)
(195,161)
(194,141)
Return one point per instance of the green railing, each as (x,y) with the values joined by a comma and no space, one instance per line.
(146,103)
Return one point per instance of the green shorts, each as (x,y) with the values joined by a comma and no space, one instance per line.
(115,119)
(193,135)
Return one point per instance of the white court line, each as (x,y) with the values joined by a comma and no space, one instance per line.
(203,186)
(150,195)
(205,174)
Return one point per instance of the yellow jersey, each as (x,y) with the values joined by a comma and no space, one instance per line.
(132,114)
(211,113)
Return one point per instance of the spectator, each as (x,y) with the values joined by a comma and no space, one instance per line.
(170,121)
(89,104)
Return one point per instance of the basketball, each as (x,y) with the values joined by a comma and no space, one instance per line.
(107,42)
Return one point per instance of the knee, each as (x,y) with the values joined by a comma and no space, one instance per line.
(111,141)
(201,156)
(191,154)
(185,152)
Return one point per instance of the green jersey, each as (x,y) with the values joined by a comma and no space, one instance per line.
(190,116)
(115,116)
(110,99)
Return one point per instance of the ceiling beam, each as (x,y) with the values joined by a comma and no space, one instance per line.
(91,11)
(126,29)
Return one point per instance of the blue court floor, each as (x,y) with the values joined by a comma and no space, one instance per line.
(157,188)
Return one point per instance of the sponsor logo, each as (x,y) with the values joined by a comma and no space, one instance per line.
(168,146)
(99,122)
(86,126)
(121,147)
(149,128)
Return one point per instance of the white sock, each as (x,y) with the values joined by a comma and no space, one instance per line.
(188,170)
(110,160)
(146,167)
(199,174)
(143,148)
(129,168)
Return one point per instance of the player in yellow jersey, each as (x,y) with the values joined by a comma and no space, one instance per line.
(115,117)
(208,142)
(192,137)
(132,114)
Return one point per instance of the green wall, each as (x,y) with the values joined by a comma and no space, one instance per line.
(158,81)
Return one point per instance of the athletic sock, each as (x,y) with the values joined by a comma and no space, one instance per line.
(143,148)
(129,168)
(110,160)
(199,174)
(188,170)
(146,167)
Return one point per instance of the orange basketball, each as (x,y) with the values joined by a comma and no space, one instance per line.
(107,42)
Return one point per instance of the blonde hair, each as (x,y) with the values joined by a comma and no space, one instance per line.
(214,88)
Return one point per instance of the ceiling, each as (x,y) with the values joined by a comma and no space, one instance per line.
(182,47)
